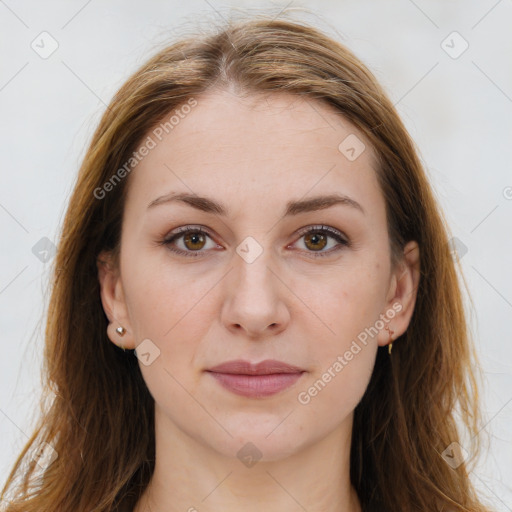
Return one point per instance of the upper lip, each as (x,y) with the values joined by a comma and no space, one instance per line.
(267,367)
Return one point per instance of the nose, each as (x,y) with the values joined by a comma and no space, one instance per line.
(255,298)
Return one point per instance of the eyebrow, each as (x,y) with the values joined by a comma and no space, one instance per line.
(209,205)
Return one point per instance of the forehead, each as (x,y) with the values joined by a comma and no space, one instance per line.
(254,144)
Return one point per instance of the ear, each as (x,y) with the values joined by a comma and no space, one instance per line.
(402,292)
(112,299)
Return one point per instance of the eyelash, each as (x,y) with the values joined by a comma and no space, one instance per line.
(333,233)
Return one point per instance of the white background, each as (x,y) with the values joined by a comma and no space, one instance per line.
(458,110)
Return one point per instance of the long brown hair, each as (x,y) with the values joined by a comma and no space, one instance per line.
(98,413)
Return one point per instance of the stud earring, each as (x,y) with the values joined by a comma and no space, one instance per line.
(121,330)
(390,342)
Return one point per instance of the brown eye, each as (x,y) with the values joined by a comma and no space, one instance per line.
(316,238)
(189,241)
(194,240)
(318,241)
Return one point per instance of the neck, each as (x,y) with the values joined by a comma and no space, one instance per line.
(190,476)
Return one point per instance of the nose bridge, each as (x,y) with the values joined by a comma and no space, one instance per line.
(252,262)
(253,297)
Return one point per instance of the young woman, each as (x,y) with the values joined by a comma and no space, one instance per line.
(254,304)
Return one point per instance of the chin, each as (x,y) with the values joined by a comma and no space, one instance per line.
(259,442)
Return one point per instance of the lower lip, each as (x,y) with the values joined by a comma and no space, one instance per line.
(256,386)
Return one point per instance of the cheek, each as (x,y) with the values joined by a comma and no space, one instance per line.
(336,390)
(350,305)
(347,301)
(165,301)
(164,307)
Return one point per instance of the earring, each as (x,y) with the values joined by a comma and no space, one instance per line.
(390,342)
(121,330)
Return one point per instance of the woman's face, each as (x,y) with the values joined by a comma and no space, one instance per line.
(265,281)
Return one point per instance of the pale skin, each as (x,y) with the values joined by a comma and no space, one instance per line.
(253,155)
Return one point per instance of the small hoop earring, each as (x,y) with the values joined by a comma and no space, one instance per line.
(121,330)
(390,342)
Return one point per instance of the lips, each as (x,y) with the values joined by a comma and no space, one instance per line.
(267,367)
(256,380)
